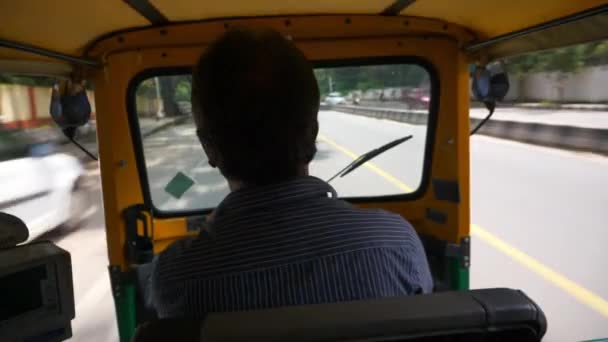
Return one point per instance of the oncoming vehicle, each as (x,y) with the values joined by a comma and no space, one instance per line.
(158,188)
(418,98)
(335,98)
(40,186)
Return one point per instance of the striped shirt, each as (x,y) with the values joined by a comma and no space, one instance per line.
(290,243)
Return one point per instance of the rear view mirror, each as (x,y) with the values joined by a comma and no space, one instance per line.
(70,107)
(491,83)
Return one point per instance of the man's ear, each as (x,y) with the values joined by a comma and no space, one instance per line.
(209,150)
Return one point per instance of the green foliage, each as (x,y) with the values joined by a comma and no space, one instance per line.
(565,60)
(347,79)
(34,81)
(183,88)
(178,87)
(598,53)
(147,88)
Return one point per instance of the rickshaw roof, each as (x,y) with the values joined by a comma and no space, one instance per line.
(72,26)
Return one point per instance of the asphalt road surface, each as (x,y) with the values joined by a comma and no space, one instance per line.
(539,216)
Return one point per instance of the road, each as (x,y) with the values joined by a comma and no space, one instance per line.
(539,216)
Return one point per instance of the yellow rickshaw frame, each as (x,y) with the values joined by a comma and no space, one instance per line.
(433,42)
(115,59)
(321,38)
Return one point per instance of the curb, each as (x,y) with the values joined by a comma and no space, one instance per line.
(565,137)
(175,121)
(557,107)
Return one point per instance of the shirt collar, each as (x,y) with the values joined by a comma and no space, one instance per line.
(293,190)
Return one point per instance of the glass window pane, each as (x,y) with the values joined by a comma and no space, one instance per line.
(362,108)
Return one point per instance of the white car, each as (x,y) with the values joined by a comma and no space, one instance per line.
(40,187)
(335,98)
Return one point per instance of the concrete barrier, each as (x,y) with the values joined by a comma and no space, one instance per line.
(565,137)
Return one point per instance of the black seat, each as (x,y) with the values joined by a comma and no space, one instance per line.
(477,315)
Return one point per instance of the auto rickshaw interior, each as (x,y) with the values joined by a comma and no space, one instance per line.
(428,48)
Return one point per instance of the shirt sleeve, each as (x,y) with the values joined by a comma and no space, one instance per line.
(419,264)
(166,293)
(415,265)
(148,290)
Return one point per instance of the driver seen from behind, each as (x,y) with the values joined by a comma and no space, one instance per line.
(281,237)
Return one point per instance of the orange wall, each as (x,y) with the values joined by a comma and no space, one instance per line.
(25,106)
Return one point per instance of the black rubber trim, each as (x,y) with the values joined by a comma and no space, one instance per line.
(9,44)
(148,11)
(172,71)
(436,216)
(396,7)
(446,190)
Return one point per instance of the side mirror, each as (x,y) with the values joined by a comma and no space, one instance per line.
(70,107)
(491,83)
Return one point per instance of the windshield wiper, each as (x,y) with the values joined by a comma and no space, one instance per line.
(364,158)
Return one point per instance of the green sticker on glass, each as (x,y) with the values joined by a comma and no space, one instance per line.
(179,185)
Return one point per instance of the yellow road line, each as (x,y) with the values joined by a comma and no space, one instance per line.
(582,294)
(369,165)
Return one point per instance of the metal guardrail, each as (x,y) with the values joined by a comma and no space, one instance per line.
(564,137)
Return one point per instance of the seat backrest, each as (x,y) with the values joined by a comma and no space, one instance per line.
(484,315)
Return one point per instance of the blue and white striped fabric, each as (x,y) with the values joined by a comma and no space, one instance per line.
(290,243)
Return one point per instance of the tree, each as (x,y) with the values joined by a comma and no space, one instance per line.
(183,89)
(172,89)
(597,53)
(563,61)
(168,85)
(362,78)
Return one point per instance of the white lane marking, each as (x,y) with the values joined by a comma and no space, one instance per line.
(89,212)
(95,294)
(87,307)
(154,162)
(93,171)
(580,293)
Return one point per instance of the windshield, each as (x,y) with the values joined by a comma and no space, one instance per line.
(180,178)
